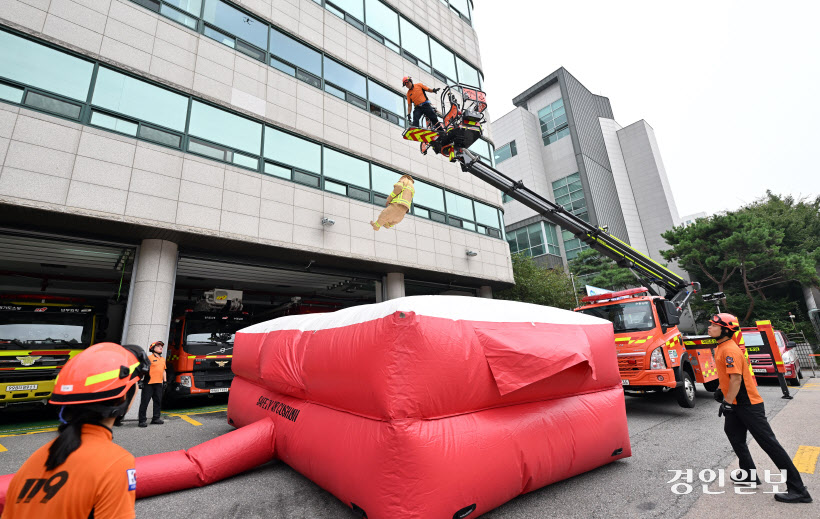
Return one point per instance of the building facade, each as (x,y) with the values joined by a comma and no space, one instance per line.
(155,149)
(564,143)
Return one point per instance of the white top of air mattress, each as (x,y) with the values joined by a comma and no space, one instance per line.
(457,308)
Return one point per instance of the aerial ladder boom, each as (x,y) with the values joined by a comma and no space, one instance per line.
(677,289)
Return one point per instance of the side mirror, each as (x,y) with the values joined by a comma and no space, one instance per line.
(672,315)
(791,345)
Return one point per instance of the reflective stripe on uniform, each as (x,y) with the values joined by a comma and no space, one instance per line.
(399,199)
(108,375)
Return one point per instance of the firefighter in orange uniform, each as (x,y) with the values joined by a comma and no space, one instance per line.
(153,387)
(416,96)
(743,408)
(82,473)
(397,204)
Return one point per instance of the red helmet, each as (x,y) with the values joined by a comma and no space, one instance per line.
(105,371)
(727,321)
(154,344)
(405,80)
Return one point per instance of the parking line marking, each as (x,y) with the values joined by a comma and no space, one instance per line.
(186,418)
(36,431)
(2,449)
(806,459)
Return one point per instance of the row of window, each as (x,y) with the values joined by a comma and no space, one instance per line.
(96,94)
(569,194)
(505,152)
(553,119)
(534,240)
(385,25)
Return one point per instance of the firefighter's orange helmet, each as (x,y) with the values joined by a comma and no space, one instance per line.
(105,371)
(405,80)
(727,321)
(155,344)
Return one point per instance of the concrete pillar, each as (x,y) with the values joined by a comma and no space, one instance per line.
(149,315)
(379,291)
(485,291)
(395,285)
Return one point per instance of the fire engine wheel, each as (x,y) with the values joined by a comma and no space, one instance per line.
(686,393)
(795,382)
(711,386)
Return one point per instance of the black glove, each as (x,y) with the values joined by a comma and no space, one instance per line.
(140,384)
(718,396)
(726,408)
(434,90)
(164,385)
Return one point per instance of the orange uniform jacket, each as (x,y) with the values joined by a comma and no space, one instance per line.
(731,360)
(416,95)
(99,476)
(157,368)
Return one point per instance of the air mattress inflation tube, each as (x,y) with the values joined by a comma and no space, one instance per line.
(213,460)
(434,406)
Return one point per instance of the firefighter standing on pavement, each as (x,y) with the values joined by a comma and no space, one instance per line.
(152,388)
(82,473)
(743,408)
(416,96)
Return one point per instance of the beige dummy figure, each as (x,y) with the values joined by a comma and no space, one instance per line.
(397,204)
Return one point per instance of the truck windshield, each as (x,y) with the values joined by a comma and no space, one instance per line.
(626,317)
(19,330)
(210,337)
(752,339)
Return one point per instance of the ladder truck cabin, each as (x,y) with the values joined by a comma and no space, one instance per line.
(653,354)
(201,345)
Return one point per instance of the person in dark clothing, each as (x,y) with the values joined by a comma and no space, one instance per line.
(152,389)
(416,96)
(742,406)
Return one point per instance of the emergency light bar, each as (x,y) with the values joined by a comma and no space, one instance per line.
(614,295)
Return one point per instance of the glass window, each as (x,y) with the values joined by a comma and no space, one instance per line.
(385,98)
(383,19)
(415,41)
(160,136)
(296,53)
(179,17)
(383,179)
(277,171)
(462,7)
(335,187)
(443,60)
(35,65)
(352,7)
(10,93)
(292,150)
(128,96)
(482,148)
(459,205)
(429,196)
(505,152)
(225,128)
(346,168)
(343,77)
(114,123)
(466,73)
(52,104)
(236,22)
(191,6)
(486,214)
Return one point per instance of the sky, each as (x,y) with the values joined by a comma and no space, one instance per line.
(731,88)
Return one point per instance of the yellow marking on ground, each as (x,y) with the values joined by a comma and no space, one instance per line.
(806,458)
(50,429)
(186,418)
(811,387)
(2,449)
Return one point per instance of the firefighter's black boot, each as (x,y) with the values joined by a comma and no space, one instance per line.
(794,497)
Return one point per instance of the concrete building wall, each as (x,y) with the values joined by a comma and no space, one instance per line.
(656,205)
(632,219)
(61,166)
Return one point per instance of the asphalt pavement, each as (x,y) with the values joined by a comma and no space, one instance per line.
(664,436)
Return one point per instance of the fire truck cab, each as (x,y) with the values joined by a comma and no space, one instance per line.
(653,354)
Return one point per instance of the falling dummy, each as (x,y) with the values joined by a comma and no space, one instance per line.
(397,204)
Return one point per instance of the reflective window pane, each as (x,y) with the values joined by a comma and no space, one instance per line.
(277,171)
(236,22)
(295,53)
(414,41)
(160,136)
(459,205)
(178,17)
(443,60)
(225,128)
(243,160)
(208,150)
(335,187)
(293,151)
(304,178)
(385,98)
(221,37)
(482,148)
(418,211)
(10,93)
(462,7)
(352,7)
(52,104)
(128,96)
(343,77)
(35,65)
(346,168)
(383,179)
(114,123)
(191,6)
(486,214)
(383,19)
(429,196)
(466,73)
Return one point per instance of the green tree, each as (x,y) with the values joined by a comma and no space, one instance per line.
(602,272)
(539,285)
